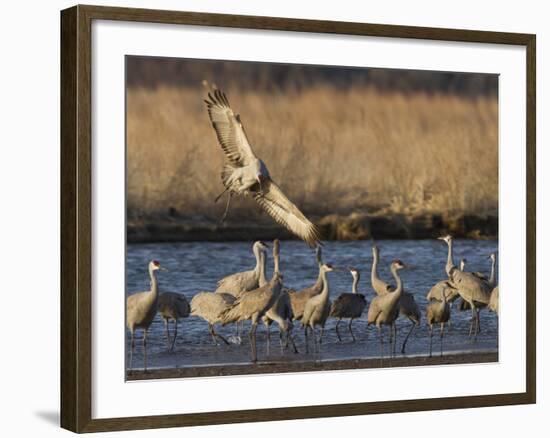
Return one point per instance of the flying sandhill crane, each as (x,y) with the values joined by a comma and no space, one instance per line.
(473,290)
(241,282)
(298,299)
(349,305)
(253,305)
(407,304)
(171,307)
(438,312)
(245,174)
(493,300)
(384,309)
(281,311)
(141,309)
(317,309)
(209,306)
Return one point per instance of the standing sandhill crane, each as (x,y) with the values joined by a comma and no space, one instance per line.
(465,305)
(141,309)
(493,300)
(317,309)
(171,307)
(209,306)
(438,312)
(241,282)
(245,174)
(253,305)
(384,309)
(349,305)
(473,290)
(407,304)
(281,311)
(298,299)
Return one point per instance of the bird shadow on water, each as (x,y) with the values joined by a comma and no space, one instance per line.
(51,417)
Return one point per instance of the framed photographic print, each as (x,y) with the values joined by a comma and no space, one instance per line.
(294,205)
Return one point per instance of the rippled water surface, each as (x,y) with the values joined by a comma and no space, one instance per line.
(197,266)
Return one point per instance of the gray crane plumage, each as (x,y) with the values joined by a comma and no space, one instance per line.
(438,312)
(349,305)
(384,309)
(407,304)
(245,174)
(253,305)
(241,282)
(281,311)
(209,306)
(298,299)
(141,308)
(317,309)
(171,307)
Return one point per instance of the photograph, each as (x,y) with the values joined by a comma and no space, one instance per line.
(288,217)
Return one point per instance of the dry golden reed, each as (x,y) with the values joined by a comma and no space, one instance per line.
(332,151)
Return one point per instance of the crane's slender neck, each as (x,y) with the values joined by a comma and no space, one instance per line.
(399,284)
(450,262)
(258,254)
(355,283)
(325,291)
(492,277)
(154,281)
(374,269)
(261,270)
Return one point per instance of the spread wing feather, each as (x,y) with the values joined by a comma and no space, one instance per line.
(229,130)
(285,213)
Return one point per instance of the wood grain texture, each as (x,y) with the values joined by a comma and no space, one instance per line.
(76,223)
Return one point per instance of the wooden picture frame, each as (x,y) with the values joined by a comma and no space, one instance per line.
(76,217)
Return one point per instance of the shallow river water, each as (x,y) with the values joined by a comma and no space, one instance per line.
(196,266)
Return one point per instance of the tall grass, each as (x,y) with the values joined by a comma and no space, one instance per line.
(332,151)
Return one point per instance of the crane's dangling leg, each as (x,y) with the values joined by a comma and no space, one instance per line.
(350,330)
(338,333)
(407,337)
(175,335)
(441,337)
(145,350)
(221,194)
(431,338)
(226,211)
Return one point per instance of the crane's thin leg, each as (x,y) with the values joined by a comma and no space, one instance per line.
(145,350)
(337,333)
(350,330)
(291,338)
(305,333)
(478,320)
(175,335)
(381,341)
(441,337)
(321,334)
(431,338)
(219,336)
(132,345)
(211,331)
(268,339)
(283,344)
(252,336)
(314,339)
(166,333)
(394,326)
(225,213)
(472,322)
(221,194)
(407,337)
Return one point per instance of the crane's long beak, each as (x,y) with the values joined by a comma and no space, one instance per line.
(161,268)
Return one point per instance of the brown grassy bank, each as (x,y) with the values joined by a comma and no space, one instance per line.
(337,152)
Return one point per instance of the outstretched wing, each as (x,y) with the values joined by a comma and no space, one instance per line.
(278,206)
(229,129)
